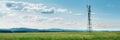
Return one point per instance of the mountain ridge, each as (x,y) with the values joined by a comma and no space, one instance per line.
(46,30)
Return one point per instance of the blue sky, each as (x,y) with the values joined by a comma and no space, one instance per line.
(65,14)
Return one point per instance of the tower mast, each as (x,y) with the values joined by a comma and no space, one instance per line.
(89,18)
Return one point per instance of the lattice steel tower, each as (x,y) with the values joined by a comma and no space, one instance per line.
(89,18)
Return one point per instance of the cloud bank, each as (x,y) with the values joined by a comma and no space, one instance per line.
(17,14)
(29,7)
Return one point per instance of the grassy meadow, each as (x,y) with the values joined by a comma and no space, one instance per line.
(61,36)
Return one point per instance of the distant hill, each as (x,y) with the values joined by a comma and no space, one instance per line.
(44,30)
(4,31)
(37,30)
(24,30)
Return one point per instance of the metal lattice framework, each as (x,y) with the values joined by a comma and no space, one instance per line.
(89,18)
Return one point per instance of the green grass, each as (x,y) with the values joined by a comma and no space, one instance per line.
(61,36)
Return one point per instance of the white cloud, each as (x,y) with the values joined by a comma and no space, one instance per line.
(29,7)
(62,10)
(14,17)
(29,21)
(38,18)
(55,19)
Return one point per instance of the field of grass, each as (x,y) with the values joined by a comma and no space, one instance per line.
(61,36)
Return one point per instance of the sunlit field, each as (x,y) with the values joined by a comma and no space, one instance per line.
(61,36)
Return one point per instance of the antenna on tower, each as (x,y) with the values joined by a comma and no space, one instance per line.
(89,18)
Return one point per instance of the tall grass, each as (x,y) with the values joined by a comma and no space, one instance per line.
(61,36)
